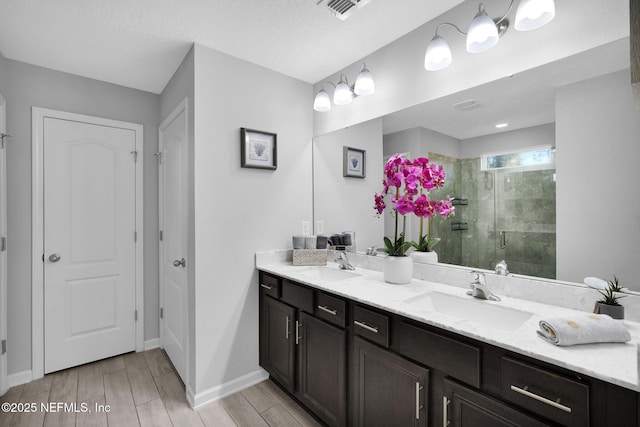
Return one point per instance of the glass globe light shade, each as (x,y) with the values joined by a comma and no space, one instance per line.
(364,83)
(482,34)
(438,55)
(322,102)
(532,14)
(342,94)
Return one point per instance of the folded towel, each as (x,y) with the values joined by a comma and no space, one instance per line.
(583,329)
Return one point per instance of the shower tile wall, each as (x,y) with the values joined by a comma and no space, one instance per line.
(522,204)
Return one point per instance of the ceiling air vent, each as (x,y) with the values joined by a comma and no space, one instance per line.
(466,105)
(343,9)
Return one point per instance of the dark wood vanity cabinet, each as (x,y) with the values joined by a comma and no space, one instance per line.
(387,390)
(352,364)
(322,369)
(277,345)
(306,355)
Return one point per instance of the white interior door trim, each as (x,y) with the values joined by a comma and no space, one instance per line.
(4,383)
(37,175)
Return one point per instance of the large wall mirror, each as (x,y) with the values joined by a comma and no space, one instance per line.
(519,214)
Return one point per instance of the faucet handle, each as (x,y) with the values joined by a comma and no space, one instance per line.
(476,277)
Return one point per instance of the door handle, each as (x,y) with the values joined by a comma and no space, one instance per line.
(180,263)
(54,258)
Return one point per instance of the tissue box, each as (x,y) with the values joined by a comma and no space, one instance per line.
(309,257)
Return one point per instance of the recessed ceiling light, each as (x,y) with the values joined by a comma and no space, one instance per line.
(502,125)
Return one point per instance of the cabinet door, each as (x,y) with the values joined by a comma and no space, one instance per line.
(277,341)
(388,390)
(464,407)
(322,384)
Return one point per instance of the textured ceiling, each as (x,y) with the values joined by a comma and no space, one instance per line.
(140,43)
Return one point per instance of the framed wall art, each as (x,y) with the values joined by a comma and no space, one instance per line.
(354,162)
(258,149)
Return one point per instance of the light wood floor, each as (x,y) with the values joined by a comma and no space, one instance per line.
(143,389)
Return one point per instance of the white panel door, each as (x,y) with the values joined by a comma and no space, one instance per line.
(173,245)
(89,246)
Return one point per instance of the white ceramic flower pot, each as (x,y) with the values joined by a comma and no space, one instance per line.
(398,269)
(425,257)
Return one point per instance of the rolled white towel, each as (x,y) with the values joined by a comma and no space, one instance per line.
(583,329)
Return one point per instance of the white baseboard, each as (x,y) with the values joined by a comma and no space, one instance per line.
(20,378)
(151,344)
(223,390)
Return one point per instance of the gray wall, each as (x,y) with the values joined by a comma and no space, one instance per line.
(344,203)
(3,73)
(26,86)
(239,211)
(598,211)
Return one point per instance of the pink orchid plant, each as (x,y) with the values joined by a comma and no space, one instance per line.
(409,182)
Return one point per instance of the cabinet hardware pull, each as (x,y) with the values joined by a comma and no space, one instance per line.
(328,310)
(286,328)
(445,411)
(267,287)
(365,326)
(298,337)
(418,405)
(524,391)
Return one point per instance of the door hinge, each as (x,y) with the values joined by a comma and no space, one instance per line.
(2,137)
(4,346)
(158,157)
(136,315)
(3,244)
(135,236)
(161,235)
(135,156)
(162,312)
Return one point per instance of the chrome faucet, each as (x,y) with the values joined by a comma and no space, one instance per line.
(343,261)
(479,287)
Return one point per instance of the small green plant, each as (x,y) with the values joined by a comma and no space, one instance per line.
(425,243)
(610,294)
(395,249)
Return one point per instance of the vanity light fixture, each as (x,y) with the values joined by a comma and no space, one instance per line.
(484,32)
(344,93)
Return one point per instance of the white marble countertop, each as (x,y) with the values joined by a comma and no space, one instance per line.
(616,363)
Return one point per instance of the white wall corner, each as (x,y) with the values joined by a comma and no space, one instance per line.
(151,344)
(223,390)
(20,378)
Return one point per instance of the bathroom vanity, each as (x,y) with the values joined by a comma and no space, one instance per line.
(358,351)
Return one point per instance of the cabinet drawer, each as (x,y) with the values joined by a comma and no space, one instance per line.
(455,358)
(546,393)
(371,325)
(467,407)
(270,285)
(331,309)
(298,296)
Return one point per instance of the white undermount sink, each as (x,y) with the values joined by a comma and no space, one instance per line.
(483,312)
(327,274)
